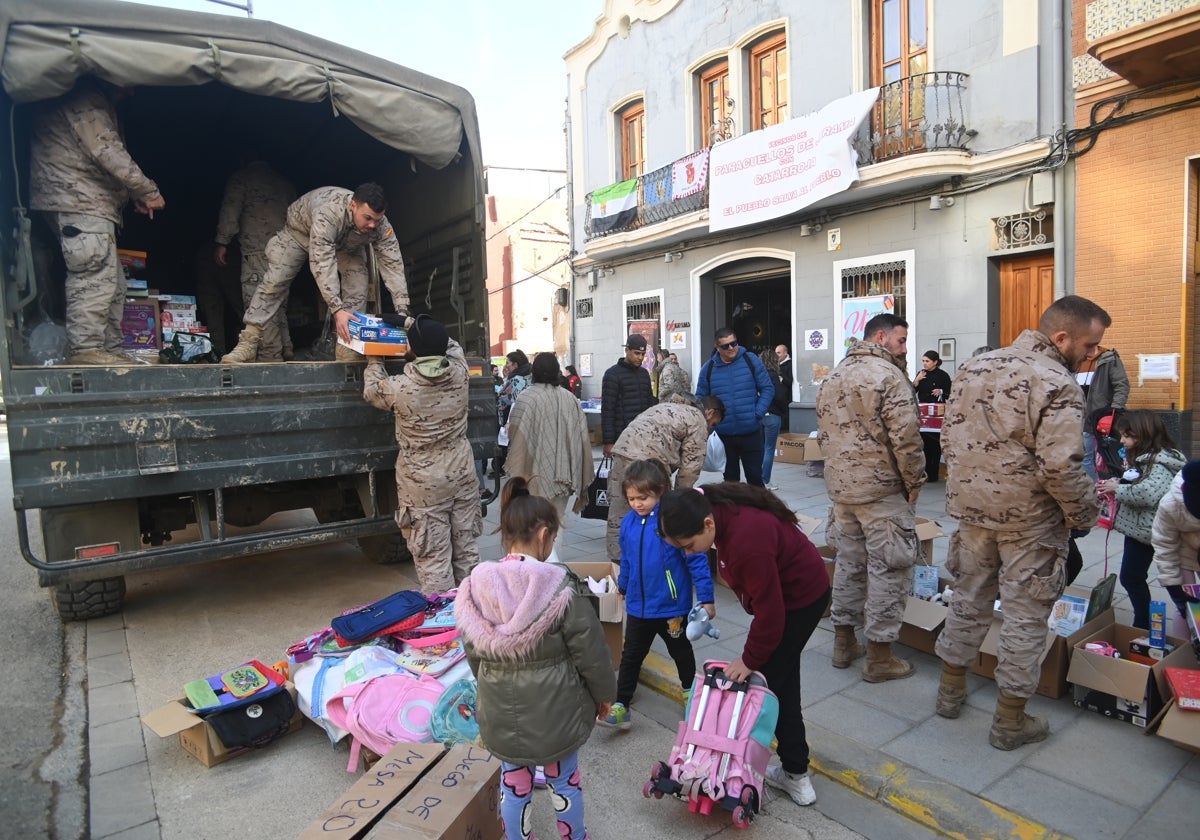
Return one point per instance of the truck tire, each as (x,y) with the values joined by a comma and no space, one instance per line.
(385,549)
(80,600)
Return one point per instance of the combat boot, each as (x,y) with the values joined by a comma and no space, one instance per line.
(247,347)
(1011,727)
(846,647)
(952,693)
(882,666)
(342,353)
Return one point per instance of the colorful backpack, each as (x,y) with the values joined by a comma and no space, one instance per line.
(385,711)
(453,720)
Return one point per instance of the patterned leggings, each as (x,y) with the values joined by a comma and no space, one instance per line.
(566,791)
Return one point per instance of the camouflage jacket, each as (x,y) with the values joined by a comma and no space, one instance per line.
(79,163)
(321,222)
(672,379)
(870,431)
(254,207)
(1012,443)
(435,462)
(672,433)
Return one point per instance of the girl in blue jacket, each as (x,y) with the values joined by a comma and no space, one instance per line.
(656,582)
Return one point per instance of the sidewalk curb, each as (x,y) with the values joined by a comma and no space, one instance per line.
(935,804)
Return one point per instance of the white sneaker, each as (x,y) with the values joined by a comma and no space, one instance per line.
(772,487)
(796,785)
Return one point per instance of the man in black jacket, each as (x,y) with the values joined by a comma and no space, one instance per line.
(625,392)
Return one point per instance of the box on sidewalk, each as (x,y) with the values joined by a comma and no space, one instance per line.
(923,620)
(372,336)
(1056,657)
(196,735)
(419,791)
(789,449)
(610,607)
(812,450)
(1121,688)
(1175,723)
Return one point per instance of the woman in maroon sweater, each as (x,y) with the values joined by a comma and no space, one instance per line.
(780,580)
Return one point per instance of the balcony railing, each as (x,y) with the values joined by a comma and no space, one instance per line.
(921,113)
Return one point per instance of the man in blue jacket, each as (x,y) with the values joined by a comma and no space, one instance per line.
(741,381)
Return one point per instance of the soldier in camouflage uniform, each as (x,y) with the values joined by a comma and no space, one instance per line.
(254,209)
(672,380)
(1017,486)
(673,433)
(81,176)
(331,228)
(436,488)
(874,469)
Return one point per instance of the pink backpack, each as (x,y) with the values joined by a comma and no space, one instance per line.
(384,711)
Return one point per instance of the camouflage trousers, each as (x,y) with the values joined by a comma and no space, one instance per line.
(285,257)
(275,338)
(443,539)
(877,547)
(1027,570)
(95,282)
(618,506)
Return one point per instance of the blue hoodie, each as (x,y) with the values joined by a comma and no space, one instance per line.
(743,385)
(656,578)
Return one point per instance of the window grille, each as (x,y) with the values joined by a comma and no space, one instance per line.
(881,279)
(1023,230)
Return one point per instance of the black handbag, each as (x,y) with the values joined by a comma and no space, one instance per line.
(254,724)
(597,493)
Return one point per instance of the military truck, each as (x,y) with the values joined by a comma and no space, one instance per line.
(132,468)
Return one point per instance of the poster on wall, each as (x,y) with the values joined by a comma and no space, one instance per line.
(678,340)
(855,313)
(649,330)
(585,364)
(816,339)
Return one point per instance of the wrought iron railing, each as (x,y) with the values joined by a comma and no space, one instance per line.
(921,113)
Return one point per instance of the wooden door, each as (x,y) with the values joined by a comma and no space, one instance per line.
(1026,290)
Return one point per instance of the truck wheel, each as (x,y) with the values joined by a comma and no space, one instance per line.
(79,600)
(385,549)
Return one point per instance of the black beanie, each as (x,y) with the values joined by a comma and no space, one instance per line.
(428,337)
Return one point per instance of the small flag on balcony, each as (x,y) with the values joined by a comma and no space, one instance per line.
(614,207)
(690,174)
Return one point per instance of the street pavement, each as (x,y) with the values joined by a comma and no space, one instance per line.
(886,766)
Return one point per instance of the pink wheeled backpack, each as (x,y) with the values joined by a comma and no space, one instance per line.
(722,747)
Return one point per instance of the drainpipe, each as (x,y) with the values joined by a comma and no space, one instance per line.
(1061,205)
(567,136)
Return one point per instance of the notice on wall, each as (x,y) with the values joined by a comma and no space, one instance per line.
(678,339)
(816,339)
(1158,366)
(585,364)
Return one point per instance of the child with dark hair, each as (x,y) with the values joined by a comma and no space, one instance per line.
(1151,461)
(779,579)
(656,581)
(538,652)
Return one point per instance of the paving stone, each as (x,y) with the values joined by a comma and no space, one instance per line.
(106,643)
(145,831)
(846,715)
(1093,750)
(111,703)
(121,800)
(1173,815)
(115,745)
(956,750)
(107,670)
(1058,803)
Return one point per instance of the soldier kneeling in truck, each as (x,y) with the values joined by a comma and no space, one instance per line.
(330,227)
(436,488)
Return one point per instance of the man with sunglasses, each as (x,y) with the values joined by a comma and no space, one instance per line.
(741,381)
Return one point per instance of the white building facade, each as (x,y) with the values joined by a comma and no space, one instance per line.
(685,113)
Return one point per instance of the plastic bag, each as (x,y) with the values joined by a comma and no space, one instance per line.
(189,348)
(714,459)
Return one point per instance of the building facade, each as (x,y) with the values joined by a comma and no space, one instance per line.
(953,216)
(1136,73)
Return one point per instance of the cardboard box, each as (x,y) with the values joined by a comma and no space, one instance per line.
(923,620)
(790,448)
(1056,657)
(139,325)
(195,735)
(1120,688)
(419,791)
(927,531)
(610,607)
(373,337)
(1176,724)
(812,450)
